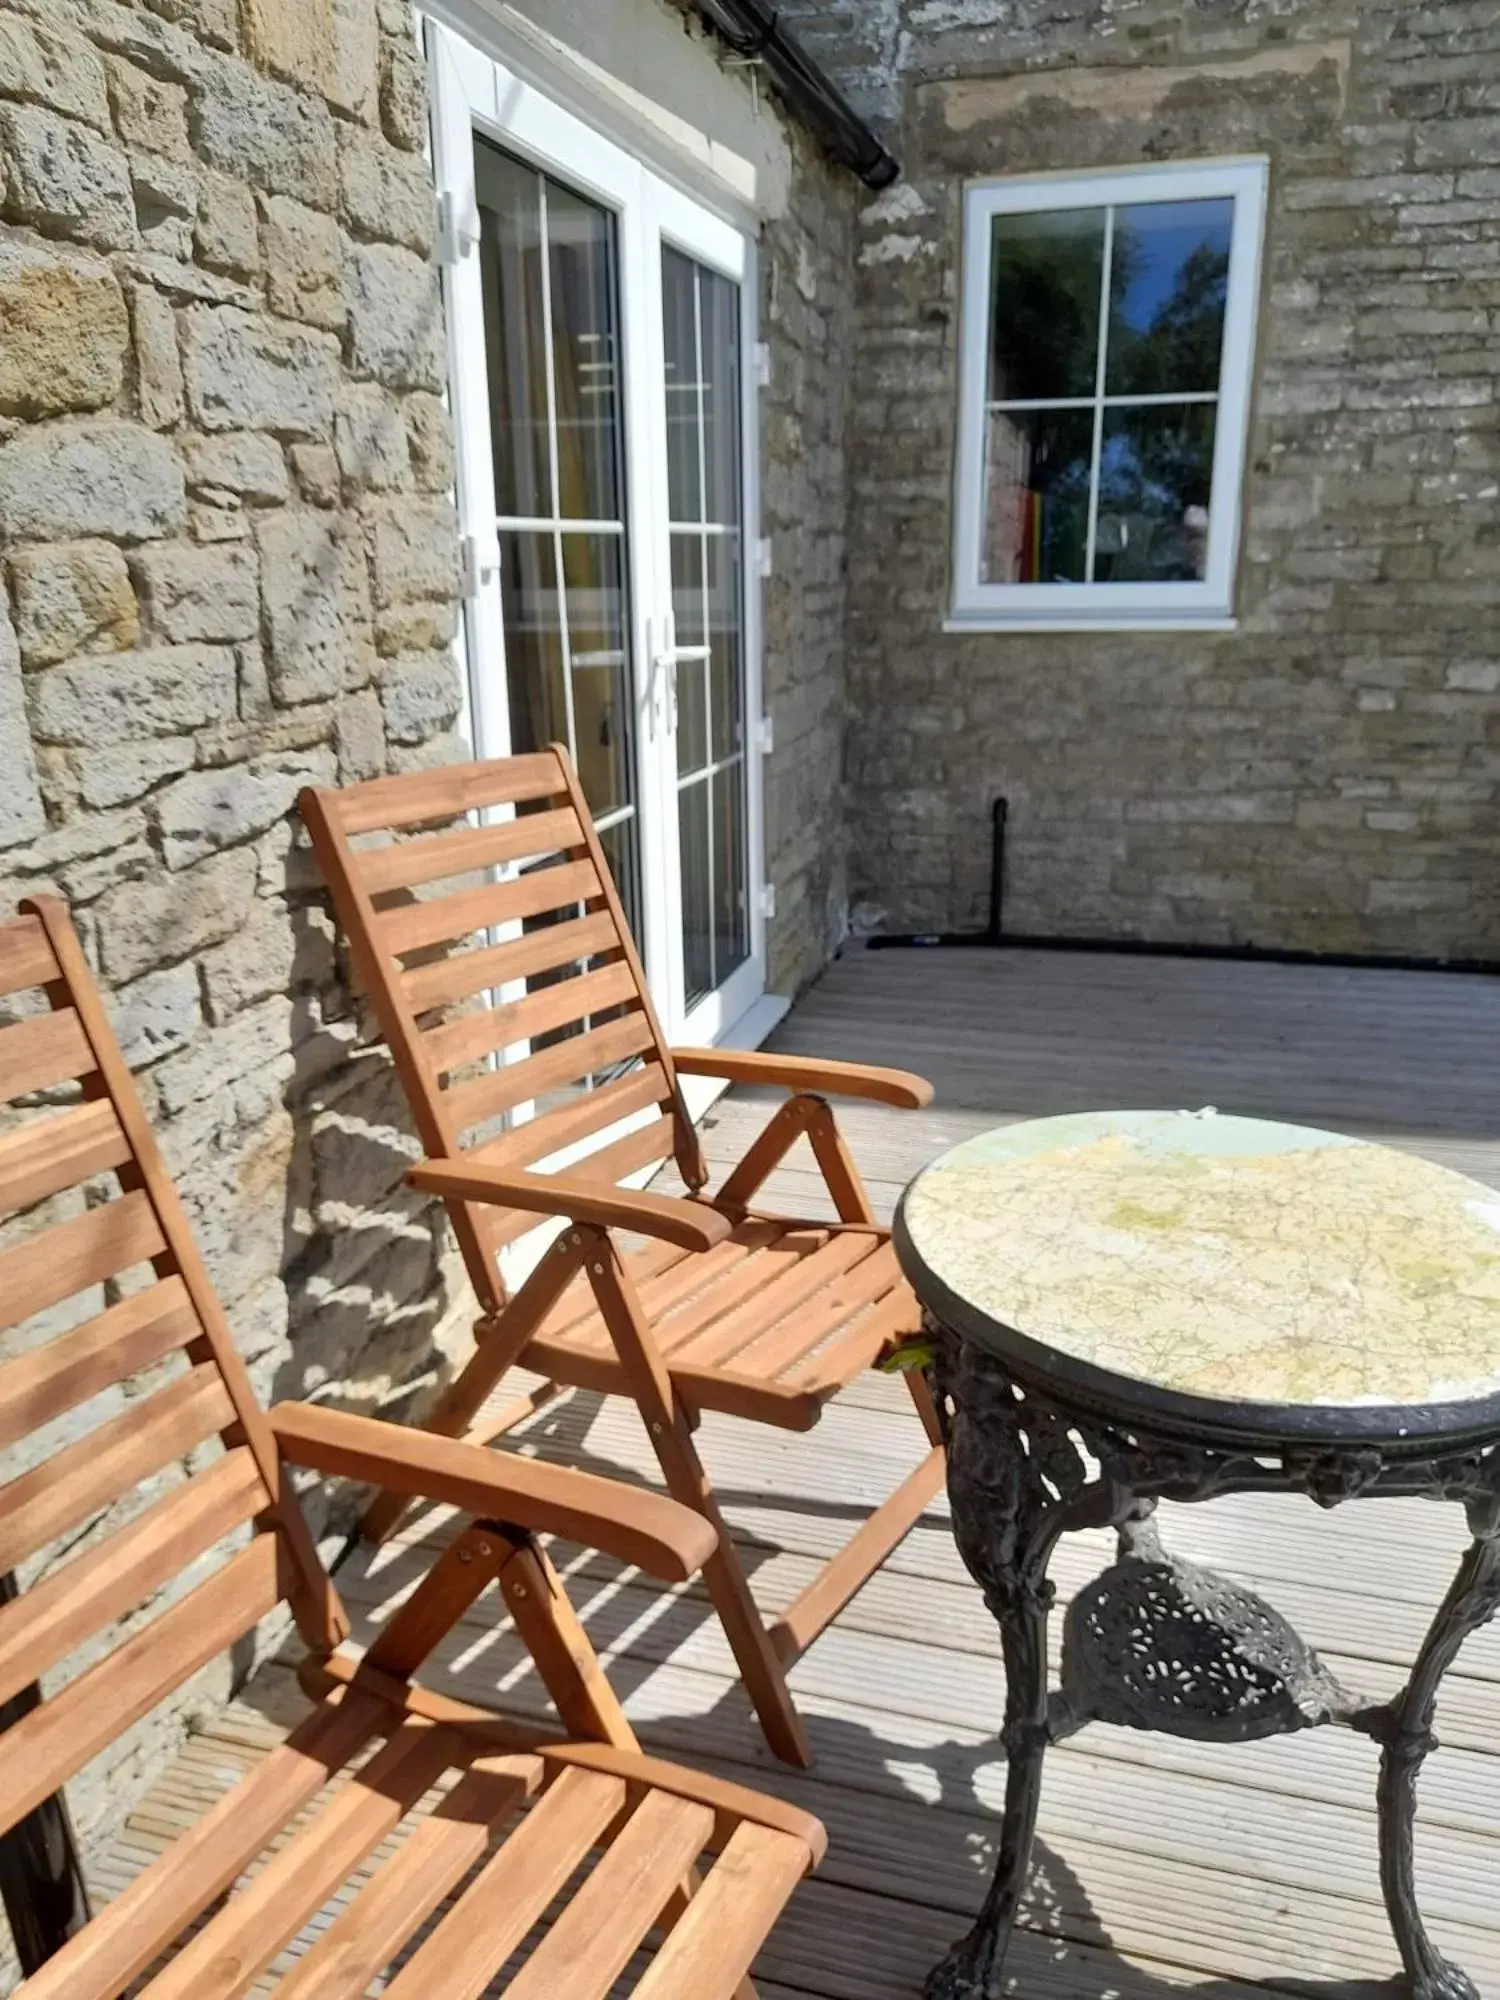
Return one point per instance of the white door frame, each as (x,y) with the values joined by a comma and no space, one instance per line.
(471,90)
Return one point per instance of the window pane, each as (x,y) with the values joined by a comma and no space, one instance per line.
(1037,496)
(1155,485)
(726,678)
(731,923)
(1168,283)
(719,308)
(697,893)
(621,849)
(680,325)
(581,244)
(596,598)
(600,721)
(1046,275)
(510,239)
(533,641)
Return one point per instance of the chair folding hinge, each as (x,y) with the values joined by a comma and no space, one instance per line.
(457,232)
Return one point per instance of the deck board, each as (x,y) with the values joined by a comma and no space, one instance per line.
(1164,1868)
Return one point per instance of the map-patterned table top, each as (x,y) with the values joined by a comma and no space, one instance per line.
(1221,1257)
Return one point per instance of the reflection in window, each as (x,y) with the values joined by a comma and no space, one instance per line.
(1093,457)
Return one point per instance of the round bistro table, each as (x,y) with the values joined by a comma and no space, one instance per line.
(1126,1307)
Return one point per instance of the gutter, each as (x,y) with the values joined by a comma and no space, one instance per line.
(752,29)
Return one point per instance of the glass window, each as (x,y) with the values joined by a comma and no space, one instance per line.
(1107,347)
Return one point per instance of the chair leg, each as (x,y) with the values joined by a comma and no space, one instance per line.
(671,1439)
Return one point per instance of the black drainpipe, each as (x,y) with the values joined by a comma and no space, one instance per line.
(753,29)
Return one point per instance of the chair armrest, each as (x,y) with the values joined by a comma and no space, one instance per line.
(839,1079)
(692,1225)
(646,1529)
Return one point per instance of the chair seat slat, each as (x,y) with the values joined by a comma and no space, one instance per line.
(65,1371)
(26,957)
(446,919)
(433,859)
(500,1090)
(46,1155)
(45,1748)
(512,1890)
(42,1050)
(447,980)
(65,1489)
(801,1331)
(561,1005)
(713,1944)
(728,1336)
(132,1930)
(420,800)
(71,1256)
(110,1580)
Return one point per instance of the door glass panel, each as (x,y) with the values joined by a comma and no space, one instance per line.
(550,274)
(702,323)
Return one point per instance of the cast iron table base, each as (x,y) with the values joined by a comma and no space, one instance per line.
(1155,1643)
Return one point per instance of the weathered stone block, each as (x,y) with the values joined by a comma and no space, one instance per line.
(228,234)
(282,946)
(254,1042)
(246,373)
(208,810)
(304,259)
(201,593)
(65,179)
(255,130)
(429,435)
(414,544)
(395,318)
(415,628)
(360,737)
(370,437)
(244,463)
(149,113)
(120,772)
(61,481)
(315,468)
(291,38)
(21,813)
(353,79)
(52,67)
(317,608)
(158,367)
(168,917)
(62,330)
(121,697)
(403,96)
(166,204)
(387,193)
(420,696)
(157,1015)
(72,598)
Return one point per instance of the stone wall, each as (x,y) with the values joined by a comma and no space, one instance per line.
(227,568)
(1325,776)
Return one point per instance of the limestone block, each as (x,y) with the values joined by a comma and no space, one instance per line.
(291,38)
(395,317)
(303,254)
(122,697)
(315,468)
(255,1041)
(386,194)
(61,481)
(52,67)
(282,946)
(201,593)
(315,596)
(244,463)
(420,696)
(429,436)
(149,113)
(157,1015)
(403,96)
(207,810)
(353,80)
(21,814)
(168,917)
(258,131)
(246,373)
(72,597)
(65,179)
(370,438)
(414,628)
(414,544)
(158,367)
(166,204)
(120,772)
(228,234)
(360,737)
(62,329)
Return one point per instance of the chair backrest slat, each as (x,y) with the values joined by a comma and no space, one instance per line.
(121,1375)
(443,983)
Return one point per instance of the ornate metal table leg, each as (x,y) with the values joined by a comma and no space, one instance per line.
(1471,1602)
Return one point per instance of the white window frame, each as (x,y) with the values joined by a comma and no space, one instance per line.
(1109,606)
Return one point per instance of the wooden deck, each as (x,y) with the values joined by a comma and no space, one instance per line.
(1162,1868)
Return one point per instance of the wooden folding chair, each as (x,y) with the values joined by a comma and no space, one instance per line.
(93,1241)
(504,976)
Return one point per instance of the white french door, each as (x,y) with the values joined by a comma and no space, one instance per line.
(601,324)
